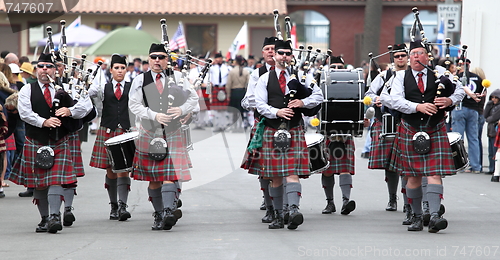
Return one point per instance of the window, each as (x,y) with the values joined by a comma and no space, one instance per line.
(108,27)
(201,38)
(36,33)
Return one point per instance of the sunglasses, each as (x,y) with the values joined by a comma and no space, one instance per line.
(336,66)
(284,53)
(416,53)
(156,56)
(48,66)
(399,56)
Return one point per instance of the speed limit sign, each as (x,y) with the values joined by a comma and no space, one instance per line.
(450,13)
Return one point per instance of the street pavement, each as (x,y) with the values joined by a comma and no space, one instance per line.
(222,219)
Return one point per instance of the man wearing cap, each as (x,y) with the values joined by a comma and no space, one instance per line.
(248,103)
(115,121)
(287,154)
(381,146)
(218,99)
(341,162)
(466,114)
(164,168)
(46,136)
(421,147)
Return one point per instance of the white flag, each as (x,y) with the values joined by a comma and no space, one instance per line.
(240,42)
(139,25)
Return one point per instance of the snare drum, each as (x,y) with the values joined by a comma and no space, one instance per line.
(342,109)
(460,157)
(121,149)
(317,159)
(186,137)
(388,125)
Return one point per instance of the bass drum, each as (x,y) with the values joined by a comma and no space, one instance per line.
(460,156)
(318,162)
(342,109)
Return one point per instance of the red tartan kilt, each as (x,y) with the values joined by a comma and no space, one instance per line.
(380,150)
(273,163)
(248,162)
(215,104)
(203,99)
(344,163)
(99,158)
(175,167)
(405,161)
(76,153)
(25,173)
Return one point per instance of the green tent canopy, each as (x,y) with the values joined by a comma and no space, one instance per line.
(125,41)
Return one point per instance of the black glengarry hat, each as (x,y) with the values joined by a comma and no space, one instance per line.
(45,57)
(336,59)
(157,47)
(399,48)
(269,41)
(279,44)
(417,44)
(218,55)
(117,58)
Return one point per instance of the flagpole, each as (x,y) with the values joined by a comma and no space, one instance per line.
(246,52)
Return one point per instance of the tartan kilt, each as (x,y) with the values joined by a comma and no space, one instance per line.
(380,149)
(405,161)
(76,154)
(276,164)
(215,104)
(497,139)
(99,158)
(345,163)
(25,173)
(175,167)
(249,162)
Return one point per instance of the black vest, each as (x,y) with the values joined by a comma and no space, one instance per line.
(413,94)
(277,99)
(378,110)
(39,106)
(115,111)
(157,103)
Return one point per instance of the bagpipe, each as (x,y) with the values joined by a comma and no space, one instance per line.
(298,89)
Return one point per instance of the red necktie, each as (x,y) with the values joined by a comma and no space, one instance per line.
(159,85)
(47,96)
(282,81)
(118,91)
(420,82)
(272,68)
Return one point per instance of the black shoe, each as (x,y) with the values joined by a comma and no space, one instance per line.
(296,218)
(417,224)
(157,221)
(330,207)
(437,223)
(68,217)
(177,213)
(179,203)
(42,226)
(392,205)
(488,173)
(168,220)
(278,221)
(263,205)
(268,218)
(495,178)
(25,194)
(2,194)
(348,207)
(123,214)
(54,223)
(113,214)
(408,215)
